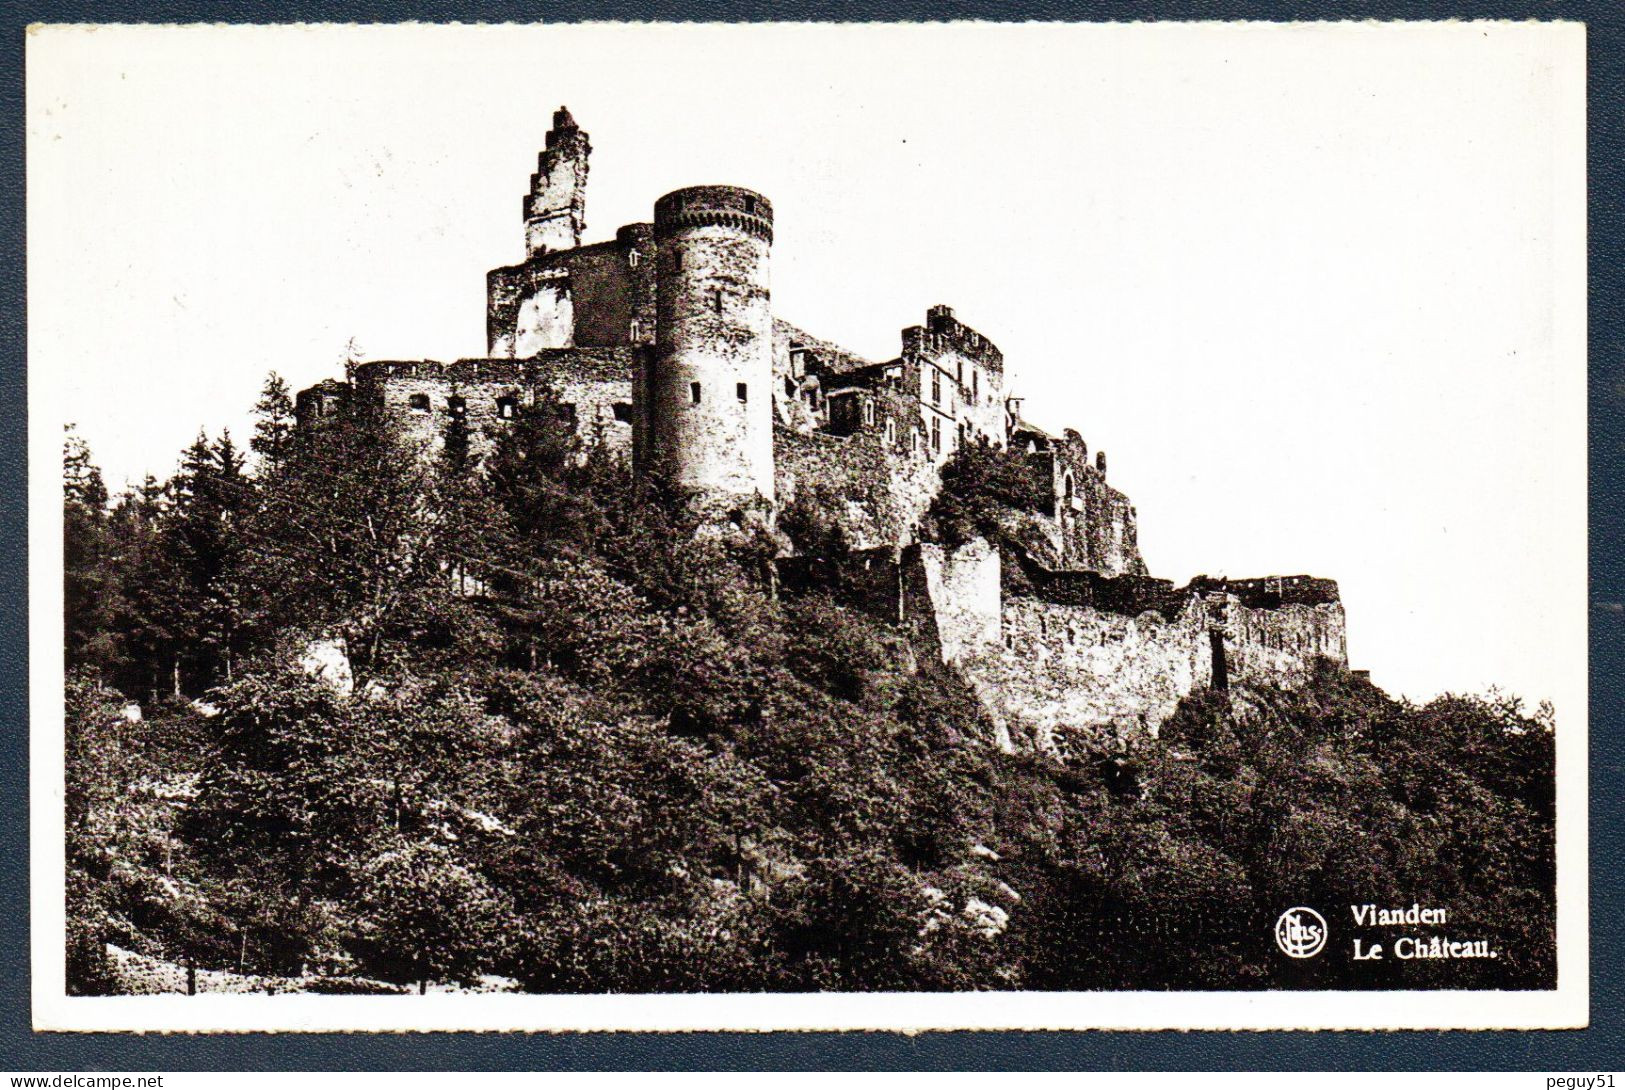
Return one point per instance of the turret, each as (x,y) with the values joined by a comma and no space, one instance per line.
(710,392)
(556,207)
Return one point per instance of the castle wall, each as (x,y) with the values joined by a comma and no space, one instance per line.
(1091,526)
(546,319)
(1278,646)
(963,588)
(597,296)
(593,387)
(1083,660)
(875,491)
(555,208)
(1064,675)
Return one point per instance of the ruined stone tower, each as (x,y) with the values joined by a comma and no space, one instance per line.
(709,388)
(556,207)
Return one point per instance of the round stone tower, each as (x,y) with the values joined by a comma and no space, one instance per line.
(710,382)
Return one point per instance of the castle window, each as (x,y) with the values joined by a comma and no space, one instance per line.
(750,206)
(623,412)
(891,430)
(868,412)
(631,259)
(456,405)
(418,403)
(634,330)
(742,392)
(975,384)
(936,435)
(716,299)
(789,387)
(936,386)
(507,407)
(694,392)
(1069,486)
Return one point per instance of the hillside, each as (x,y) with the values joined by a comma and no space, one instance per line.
(584,749)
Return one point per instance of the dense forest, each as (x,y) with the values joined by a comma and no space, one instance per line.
(580,749)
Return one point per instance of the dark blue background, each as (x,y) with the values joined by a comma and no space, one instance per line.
(1599,1048)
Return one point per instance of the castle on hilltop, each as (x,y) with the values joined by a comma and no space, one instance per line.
(661,346)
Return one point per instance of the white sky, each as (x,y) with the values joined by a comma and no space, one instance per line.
(1318,291)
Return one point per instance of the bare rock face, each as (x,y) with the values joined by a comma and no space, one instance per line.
(328,661)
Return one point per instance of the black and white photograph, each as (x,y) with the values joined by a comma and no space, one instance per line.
(756,527)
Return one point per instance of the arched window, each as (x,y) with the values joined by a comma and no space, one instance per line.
(1069,486)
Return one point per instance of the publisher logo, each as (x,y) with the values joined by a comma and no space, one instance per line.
(1300,933)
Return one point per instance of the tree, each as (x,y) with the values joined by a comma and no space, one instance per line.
(338,543)
(286,800)
(273,425)
(150,621)
(92,586)
(980,486)
(211,501)
(538,475)
(423,915)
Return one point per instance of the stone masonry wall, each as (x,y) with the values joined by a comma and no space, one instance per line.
(1094,525)
(1084,662)
(1065,675)
(592,386)
(876,493)
(596,296)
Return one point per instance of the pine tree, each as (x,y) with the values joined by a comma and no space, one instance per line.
(146,619)
(273,425)
(91,583)
(211,499)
